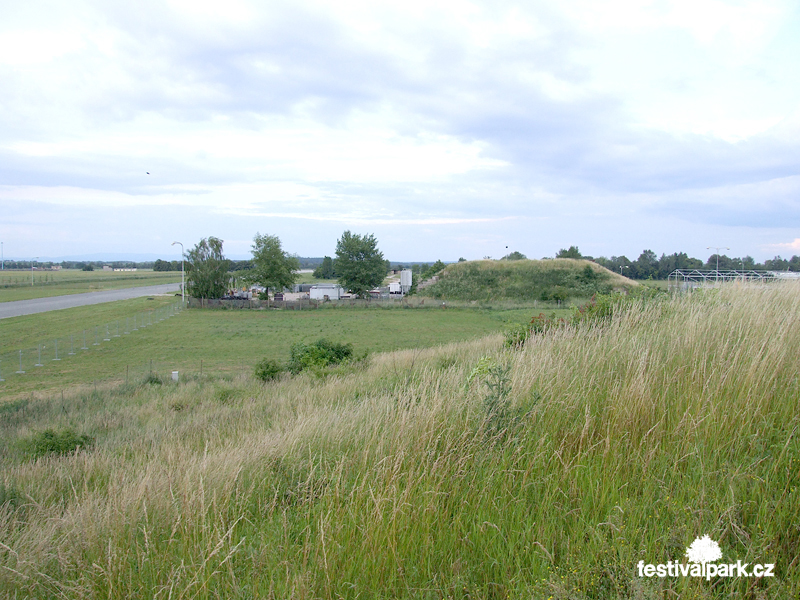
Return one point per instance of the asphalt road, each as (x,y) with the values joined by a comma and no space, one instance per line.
(28,307)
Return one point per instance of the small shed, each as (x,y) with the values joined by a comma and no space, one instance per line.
(325,291)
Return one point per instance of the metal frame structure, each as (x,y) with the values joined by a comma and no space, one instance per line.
(688,279)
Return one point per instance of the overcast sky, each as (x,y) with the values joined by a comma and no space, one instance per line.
(447,129)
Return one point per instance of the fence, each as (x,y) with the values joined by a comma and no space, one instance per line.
(159,371)
(16,363)
(306,304)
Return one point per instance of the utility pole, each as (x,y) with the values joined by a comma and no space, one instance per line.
(717,248)
(183,279)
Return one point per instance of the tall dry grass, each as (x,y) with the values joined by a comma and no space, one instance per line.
(617,443)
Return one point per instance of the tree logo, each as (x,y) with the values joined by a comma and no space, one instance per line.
(702,557)
(703,550)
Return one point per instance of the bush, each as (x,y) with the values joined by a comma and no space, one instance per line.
(517,335)
(51,441)
(153,379)
(267,370)
(320,354)
(10,495)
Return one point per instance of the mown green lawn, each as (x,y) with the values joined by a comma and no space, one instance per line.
(16,284)
(224,340)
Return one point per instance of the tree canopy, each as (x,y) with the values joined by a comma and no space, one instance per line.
(325,270)
(272,267)
(359,265)
(573,252)
(207,275)
(435,268)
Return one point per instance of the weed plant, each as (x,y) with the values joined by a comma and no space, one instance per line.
(50,441)
(318,355)
(267,370)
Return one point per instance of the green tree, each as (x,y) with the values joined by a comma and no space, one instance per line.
(776,264)
(647,265)
(207,275)
(325,270)
(573,252)
(433,269)
(272,267)
(359,265)
(514,256)
(162,265)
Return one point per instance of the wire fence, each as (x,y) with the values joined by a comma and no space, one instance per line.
(18,362)
(421,302)
(164,372)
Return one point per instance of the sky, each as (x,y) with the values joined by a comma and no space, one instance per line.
(447,129)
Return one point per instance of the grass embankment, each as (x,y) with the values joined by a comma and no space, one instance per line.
(16,285)
(525,280)
(606,445)
(226,341)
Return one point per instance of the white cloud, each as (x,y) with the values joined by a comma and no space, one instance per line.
(34,46)
(786,246)
(414,114)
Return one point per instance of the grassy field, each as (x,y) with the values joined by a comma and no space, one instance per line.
(524,280)
(462,471)
(659,284)
(309,278)
(226,341)
(16,285)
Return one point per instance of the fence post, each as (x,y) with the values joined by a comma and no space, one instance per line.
(20,363)
(39,363)
(96,337)
(56,358)
(71,344)
(84,341)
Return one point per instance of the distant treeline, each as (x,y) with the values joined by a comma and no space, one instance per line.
(78,264)
(650,266)
(647,266)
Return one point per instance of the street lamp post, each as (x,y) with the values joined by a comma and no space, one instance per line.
(717,248)
(33,259)
(183,282)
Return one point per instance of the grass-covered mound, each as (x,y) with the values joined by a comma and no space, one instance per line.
(466,471)
(525,280)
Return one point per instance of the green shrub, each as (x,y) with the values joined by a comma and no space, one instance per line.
(10,495)
(267,370)
(153,379)
(51,441)
(600,309)
(516,336)
(320,354)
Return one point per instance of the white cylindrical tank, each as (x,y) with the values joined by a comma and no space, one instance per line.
(405,277)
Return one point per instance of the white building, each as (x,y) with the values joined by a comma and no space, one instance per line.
(326,291)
